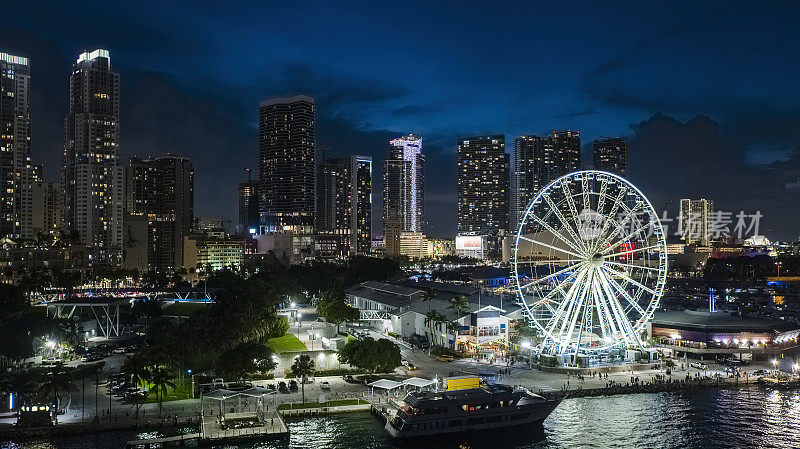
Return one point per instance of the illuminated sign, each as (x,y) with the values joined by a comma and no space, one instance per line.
(473,242)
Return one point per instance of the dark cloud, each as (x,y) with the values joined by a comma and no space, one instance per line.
(415,111)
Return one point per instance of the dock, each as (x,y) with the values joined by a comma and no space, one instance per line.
(176,440)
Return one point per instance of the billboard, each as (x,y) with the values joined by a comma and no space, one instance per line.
(469,242)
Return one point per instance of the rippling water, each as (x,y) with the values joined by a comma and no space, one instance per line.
(746,418)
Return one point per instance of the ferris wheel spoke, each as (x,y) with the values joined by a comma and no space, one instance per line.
(552,275)
(605,328)
(610,218)
(555,262)
(582,298)
(631,280)
(608,314)
(622,319)
(624,294)
(620,225)
(631,265)
(627,237)
(647,248)
(555,248)
(555,233)
(564,223)
(573,210)
(564,304)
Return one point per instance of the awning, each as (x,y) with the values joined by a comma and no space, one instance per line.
(418,382)
(256,392)
(385,384)
(219,394)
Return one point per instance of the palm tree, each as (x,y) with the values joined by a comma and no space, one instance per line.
(459,304)
(430,295)
(137,371)
(17,382)
(302,367)
(55,380)
(160,379)
(432,319)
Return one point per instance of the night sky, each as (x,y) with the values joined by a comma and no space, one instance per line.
(707,93)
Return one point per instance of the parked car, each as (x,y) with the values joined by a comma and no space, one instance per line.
(218,382)
(445,358)
(411,367)
(120,350)
(760,372)
(271,387)
(349,379)
(282,387)
(699,365)
(325,385)
(293,385)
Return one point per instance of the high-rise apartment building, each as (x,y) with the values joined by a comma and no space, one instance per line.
(17,174)
(537,162)
(91,177)
(287,169)
(48,208)
(345,206)
(248,208)
(483,186)
(694,220)
(611,155)
(403,180)
(162,190)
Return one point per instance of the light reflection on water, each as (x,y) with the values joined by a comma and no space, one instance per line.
(751,417)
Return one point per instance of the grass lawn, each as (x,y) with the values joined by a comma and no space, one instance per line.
(324,404)
(287,343)
(185,308)
(183,391)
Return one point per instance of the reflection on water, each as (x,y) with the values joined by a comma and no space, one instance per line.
(751,417)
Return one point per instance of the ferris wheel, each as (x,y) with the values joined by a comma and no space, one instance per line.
(590,264)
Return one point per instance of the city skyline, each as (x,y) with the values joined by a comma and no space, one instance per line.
(360,111)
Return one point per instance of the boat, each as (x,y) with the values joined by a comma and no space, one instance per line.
(473,409)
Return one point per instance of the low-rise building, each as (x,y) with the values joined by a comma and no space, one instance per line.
(205,253)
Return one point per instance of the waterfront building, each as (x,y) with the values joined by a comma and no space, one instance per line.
(91,177)
(287,169)
(248,208)
(483,186)
(17,174)
(611,155)
(403,180)
(345,207)
(694,220)
(162,189)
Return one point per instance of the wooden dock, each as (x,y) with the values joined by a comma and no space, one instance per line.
(164,441)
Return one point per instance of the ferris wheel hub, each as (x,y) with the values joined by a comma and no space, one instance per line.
(597,260)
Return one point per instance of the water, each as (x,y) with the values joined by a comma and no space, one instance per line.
(745,418)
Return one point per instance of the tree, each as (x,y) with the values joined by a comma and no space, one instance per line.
(245,358)
(19,383)
(459,304)
(56,380)
(136,369)
(302,367)
(428,296)
(370,355)
(160,380)
(334,308)
(434,319)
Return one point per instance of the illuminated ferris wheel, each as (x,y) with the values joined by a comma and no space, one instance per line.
(590,264)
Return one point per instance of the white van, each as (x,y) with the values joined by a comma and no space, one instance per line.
(699,365)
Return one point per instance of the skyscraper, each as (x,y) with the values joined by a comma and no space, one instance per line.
(537,162)
(403,180)
(693,220)
(162,190)
(248,208)
(346,201)
(17,174)
(287,169)
(611,154)
(91,176)
(482,178)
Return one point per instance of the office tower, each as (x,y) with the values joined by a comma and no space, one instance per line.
(539,161)
(566,153)
(346,201)
(403,180)
(48,208)
(529,174)
(693,220)
(248,208)
(162,190)
(91,176)
(287,169)
(17,174)
(482,178)
(611,154)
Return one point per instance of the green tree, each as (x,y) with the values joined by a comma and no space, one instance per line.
(459,304)
(56,380)
(302,367)
(434,320)
(136,370)
(19,383)
(334,308)
(245,358)
(370,355)
(160,382)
